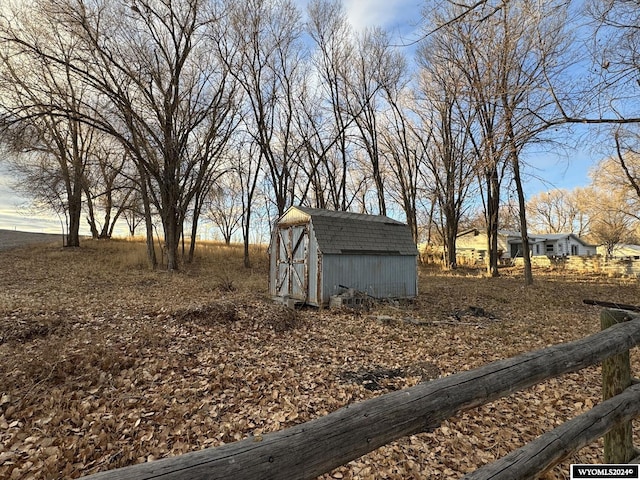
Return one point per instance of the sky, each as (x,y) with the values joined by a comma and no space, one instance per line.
(548,170)
(16,214)
(399,17)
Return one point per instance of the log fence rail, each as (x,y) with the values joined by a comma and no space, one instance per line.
(311,449)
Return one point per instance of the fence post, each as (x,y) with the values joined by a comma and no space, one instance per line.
(616,376)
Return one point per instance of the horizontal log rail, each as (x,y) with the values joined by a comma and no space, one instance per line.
(318,446)
(619,306)
(550,448)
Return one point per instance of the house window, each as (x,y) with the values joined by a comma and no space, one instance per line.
(537,249)
(574,250)
(549,247)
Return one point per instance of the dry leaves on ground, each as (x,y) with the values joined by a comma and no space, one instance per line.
(103,365)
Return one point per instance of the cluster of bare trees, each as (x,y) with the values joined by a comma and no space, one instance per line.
(136,80)
(605,212)
(182,109)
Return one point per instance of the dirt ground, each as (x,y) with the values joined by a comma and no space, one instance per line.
(104,363)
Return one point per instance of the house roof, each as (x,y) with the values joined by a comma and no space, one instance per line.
(554,237)
(355,233)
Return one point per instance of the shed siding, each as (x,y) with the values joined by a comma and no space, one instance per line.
(273,268)
(380,276)
(314,280)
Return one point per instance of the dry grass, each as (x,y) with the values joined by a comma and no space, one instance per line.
(104,363)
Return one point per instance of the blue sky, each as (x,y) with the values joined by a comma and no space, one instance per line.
(556,169)
(546,170)
(399,17)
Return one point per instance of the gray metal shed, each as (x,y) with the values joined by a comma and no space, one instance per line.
(315,253)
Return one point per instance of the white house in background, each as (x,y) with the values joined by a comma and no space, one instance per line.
(473,244)
(622,251)
(561,244)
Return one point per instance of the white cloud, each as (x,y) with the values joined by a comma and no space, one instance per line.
(15,213)
(8,197)
(393,15)
(14,220)
(401,18)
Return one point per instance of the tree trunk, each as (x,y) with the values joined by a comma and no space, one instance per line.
(107,217)
(493,206)
(245,238)
(412,222)
(515,165)
(91,220)
(522,214)
(113,222)
(197,209)
(75,213)
(194,233)
(451,233)
(148,220)
(171,236)
(377,176)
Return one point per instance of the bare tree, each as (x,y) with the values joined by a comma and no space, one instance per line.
(57,147)
(469,50)
(133,211)
(446,141)
(555,211)
(501,51)
(330,174)
(262,49)
(158,84)
(247,167)
(609,224)
(607,95)
(376,67)
(622,170)
(331,33)
(614,179)
(611,90)
(107,188)
(534,37)
(403,148)
(224,206)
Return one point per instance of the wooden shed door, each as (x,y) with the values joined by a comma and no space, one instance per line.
(293,243)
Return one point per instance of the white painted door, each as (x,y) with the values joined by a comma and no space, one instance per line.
(293,272)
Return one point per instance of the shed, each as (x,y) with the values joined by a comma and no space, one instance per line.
(316,253)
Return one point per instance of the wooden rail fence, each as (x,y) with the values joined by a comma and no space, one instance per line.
(313,448)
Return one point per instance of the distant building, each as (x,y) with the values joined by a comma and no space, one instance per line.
(317,253)
(622,251)
(472,244)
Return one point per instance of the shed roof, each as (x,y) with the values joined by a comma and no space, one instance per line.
(354,233)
